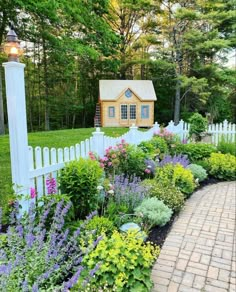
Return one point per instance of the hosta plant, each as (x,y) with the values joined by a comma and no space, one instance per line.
(34,259)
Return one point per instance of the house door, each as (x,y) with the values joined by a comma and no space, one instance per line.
(127,114)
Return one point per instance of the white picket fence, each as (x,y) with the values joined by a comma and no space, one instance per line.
(47,162)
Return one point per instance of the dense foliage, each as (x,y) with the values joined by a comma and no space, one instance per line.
(177,175)
(198,125)
(153,212)
(222,166)
(79,180)
(167,193)
(33,258)
(226,147)
(198,172)
(70,46)
(195,151)
(124,263)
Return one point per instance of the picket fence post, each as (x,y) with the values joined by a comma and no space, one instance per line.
(98,140)
(133,134)
(15,93)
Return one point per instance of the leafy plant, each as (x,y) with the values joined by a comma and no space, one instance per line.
(129,192)
(125,263)
(79,179)
(178,176)
(100,225)
(180,159)
(36,260)
(198,172)
(198,125)
(170,195)
(157,146)
(222,166)
(153,212)
(170,138)
(226,147)
(195,151)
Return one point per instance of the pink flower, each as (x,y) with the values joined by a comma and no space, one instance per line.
(32,193)
(51,185)
(113,156)
(109,163)
(147,170)
(102,165)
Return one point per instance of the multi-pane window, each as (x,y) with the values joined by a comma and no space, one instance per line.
(132,112)
(124,112)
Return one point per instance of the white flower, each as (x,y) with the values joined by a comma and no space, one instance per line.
(99,188)
(196,180)
(111,192)
(149,166)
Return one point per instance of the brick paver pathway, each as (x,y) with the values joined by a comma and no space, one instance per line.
(199,253)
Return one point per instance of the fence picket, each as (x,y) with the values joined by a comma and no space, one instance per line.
(38,165)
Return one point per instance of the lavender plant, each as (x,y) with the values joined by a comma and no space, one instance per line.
(33,259)
(176,159)
(128,192)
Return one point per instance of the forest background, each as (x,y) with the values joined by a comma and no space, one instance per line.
(69,45)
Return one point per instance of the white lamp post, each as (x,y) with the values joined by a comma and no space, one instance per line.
(16,109)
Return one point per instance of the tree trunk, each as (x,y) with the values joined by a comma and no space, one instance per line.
(2,127)
(177,102)
(47,106)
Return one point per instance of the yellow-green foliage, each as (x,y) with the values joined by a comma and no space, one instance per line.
(168,193)
(222,166)
(178,176)
(101,225)
(125,263)
(184,179)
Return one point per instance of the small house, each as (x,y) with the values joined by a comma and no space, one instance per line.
(125,102)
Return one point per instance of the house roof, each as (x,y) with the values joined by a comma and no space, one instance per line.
(112,89)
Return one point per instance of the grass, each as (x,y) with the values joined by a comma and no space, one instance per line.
(57,139)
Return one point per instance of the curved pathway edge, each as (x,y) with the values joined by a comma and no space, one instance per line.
(199,252)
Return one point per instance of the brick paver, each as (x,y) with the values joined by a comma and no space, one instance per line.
(199,252)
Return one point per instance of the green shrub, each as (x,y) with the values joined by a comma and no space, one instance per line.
(153,212)
(167,193)
(134,164)
(222,166)
(125,264)
(195,151)
(79,179)
(226,147)
(203,163)
(177,175)
(184,180)
(101,225)
(160,145)
(198,125)
(198,172)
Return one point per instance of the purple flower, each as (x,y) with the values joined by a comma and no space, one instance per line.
(51,185)
(180,159)
(73,280)
(94,270)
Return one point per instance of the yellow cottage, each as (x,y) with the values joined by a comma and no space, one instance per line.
(125,102)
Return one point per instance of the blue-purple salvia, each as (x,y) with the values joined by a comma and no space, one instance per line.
(176,159)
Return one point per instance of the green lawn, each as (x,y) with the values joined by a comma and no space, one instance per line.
(57,139)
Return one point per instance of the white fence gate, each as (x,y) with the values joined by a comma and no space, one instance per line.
(44,161)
